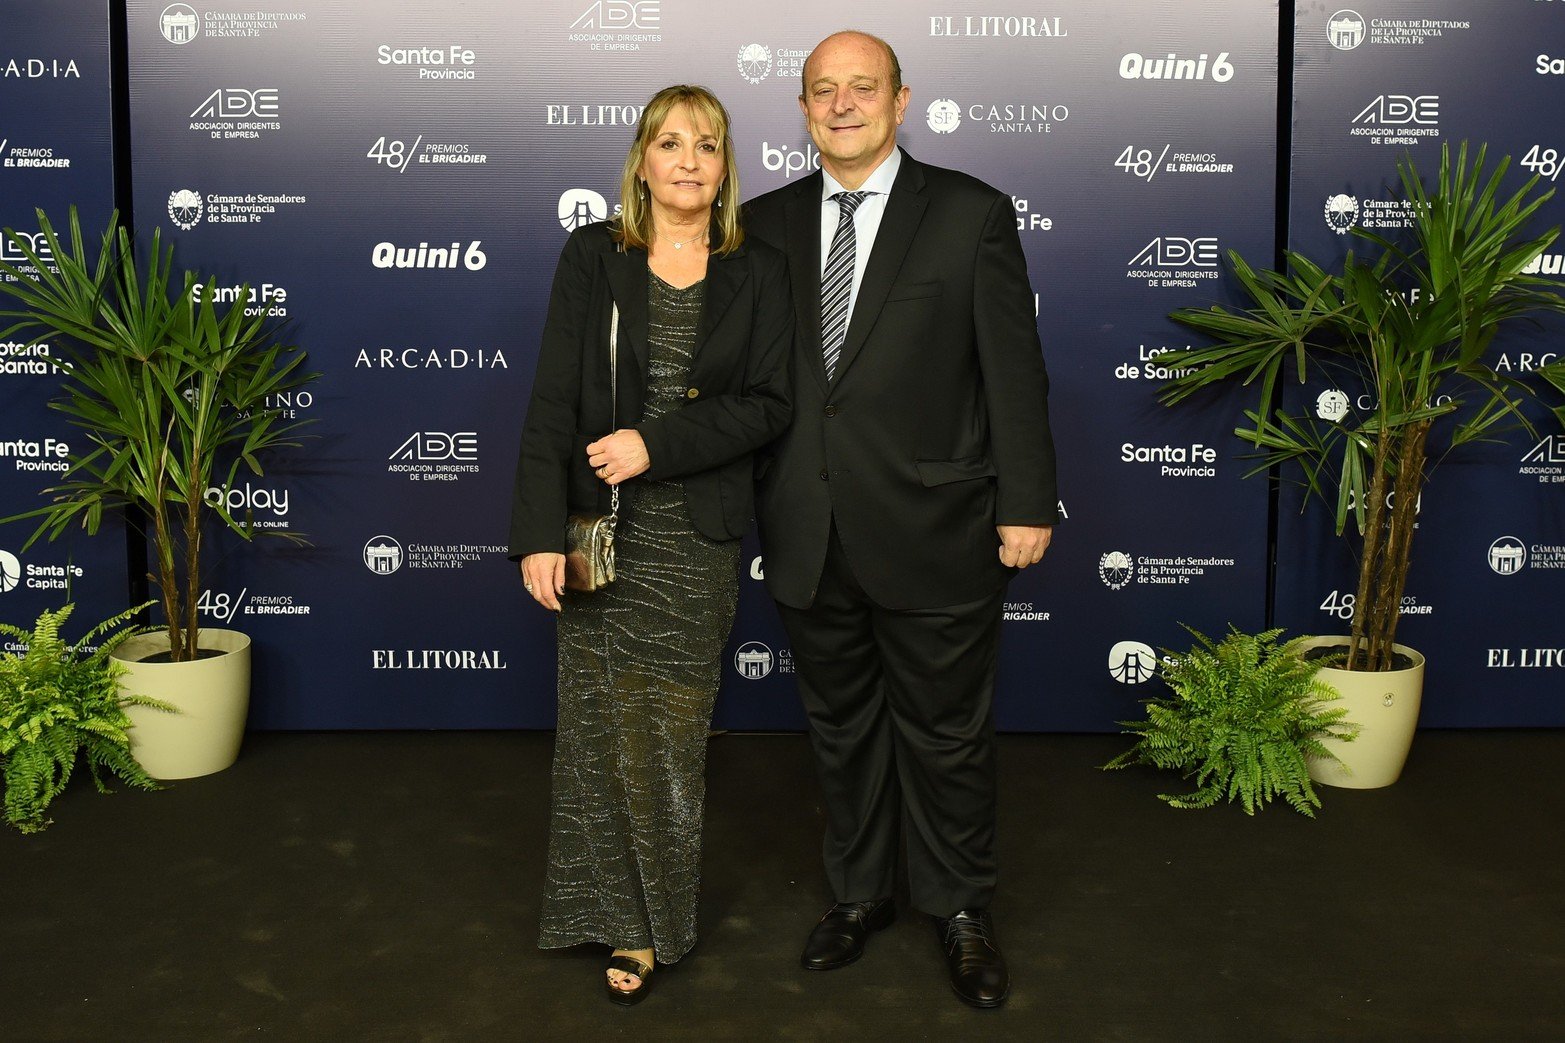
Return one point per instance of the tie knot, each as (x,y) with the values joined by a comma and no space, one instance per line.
(849,201)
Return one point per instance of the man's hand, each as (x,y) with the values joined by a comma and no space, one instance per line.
(619,457)
(1023,545)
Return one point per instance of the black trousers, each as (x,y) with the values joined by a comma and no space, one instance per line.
(900,705)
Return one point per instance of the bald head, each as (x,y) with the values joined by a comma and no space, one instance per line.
(893,68)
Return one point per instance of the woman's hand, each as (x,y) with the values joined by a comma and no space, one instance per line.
(544,577)
(619,457)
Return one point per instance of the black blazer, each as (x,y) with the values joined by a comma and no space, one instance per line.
(737,399)
(936,426)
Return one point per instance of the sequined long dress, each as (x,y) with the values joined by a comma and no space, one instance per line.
(639,667)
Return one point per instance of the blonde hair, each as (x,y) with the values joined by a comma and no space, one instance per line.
(633,226)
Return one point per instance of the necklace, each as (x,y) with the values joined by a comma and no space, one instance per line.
(687,242)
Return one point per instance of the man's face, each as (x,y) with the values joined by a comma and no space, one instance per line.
(848,104)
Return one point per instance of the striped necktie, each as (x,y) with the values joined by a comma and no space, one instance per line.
(837,281)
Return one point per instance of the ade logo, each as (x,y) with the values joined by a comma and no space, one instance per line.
(239,103)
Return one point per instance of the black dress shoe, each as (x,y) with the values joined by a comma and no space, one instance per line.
(973,958)
(838,939)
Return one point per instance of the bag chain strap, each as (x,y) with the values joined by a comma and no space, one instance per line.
(614,406)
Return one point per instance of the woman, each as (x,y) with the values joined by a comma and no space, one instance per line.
(704,331)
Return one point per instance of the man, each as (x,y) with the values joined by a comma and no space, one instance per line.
(917,477)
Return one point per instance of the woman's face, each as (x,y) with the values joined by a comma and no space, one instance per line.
(682,166)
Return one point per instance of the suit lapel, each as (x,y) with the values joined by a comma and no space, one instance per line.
(724,276)
(803,222)
(904,209)
(627,273)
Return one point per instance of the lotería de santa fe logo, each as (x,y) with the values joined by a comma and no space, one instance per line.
(1132,662)
(582,206)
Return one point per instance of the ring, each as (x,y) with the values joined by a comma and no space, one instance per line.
(527,586)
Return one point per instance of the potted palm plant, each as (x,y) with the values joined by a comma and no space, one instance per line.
(1412,329)
(172,392)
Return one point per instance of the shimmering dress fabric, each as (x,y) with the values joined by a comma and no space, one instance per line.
(639,666)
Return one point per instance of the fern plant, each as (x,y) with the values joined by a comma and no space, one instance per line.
(60,703)
(1245,714)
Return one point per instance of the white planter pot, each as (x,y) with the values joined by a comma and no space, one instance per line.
(1385,705)
(212,695)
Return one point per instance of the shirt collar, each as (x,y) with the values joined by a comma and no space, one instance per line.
(880,181)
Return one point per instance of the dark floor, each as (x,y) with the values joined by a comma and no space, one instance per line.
(384,887)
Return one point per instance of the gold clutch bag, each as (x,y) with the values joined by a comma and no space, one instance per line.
(589,549)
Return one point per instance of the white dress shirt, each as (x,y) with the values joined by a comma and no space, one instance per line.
(866,219)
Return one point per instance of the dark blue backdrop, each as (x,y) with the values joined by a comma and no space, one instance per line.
(56,149)
(299,149)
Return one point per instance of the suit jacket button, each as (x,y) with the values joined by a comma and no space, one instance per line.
(825,475)
(831,410)
(692,392)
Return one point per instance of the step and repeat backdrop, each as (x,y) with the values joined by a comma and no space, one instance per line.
(394,182)
(56,150)
(1404,77)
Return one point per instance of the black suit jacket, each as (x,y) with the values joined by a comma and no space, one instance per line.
(737,398)
(936,426)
